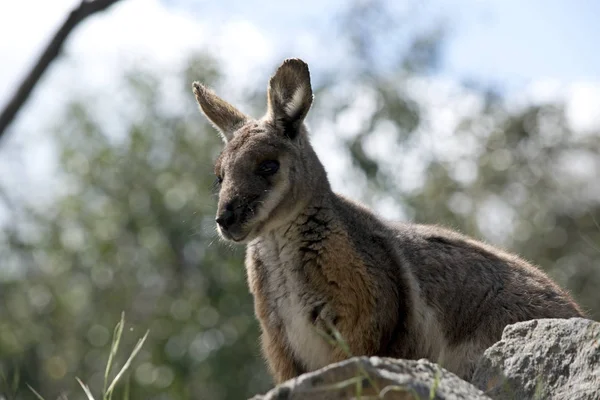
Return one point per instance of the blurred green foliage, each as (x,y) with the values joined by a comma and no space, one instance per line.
(133,229)
(135,232)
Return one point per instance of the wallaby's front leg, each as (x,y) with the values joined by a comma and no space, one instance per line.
(279,358)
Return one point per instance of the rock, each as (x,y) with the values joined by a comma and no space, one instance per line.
(392,379)
(543,359)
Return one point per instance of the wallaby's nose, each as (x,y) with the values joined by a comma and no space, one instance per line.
(226,218)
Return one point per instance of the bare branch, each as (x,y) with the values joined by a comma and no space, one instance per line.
(84,10)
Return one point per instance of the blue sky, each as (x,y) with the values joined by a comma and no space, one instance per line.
(535,50)
(507,43)
(511,42)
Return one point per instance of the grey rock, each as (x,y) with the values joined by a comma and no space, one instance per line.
(543,359)
(391,379)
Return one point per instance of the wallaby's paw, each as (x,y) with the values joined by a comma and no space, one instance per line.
(324,318)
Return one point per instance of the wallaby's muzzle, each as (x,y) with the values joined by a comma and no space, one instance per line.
(233,218)
(226,218)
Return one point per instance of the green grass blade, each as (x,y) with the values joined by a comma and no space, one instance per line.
(359,388)
(397,388)
(340,340)
(136,350)
(127,388)
(436,383)
(16,379)
(118,332)
(336,340)
(335,386)
(86,389)
(39,396)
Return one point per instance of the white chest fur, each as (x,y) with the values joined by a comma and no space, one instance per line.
(304,339)
(294,299)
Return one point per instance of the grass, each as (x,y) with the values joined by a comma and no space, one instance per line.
(336,339)
(108,388)
(14,382)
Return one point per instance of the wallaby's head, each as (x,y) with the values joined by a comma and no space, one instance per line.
(267,171)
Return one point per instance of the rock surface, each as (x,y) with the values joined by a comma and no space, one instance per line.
(543,359)
(391,379)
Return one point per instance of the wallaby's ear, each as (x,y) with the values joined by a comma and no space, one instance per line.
(290,96)
(225,117)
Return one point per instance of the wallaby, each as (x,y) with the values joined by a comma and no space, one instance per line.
(317,261)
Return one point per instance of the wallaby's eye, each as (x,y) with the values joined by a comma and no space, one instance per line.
(219,179)
(268,168)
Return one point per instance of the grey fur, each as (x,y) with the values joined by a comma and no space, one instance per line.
(316,260)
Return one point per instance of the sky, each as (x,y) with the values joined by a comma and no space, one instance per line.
(532,50)
(510,44)
(514,42)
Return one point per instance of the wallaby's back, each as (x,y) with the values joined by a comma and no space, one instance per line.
(476,290)
(465,291)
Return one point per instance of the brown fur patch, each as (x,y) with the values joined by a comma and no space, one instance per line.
(352,293)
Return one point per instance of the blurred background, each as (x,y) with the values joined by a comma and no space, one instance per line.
(482,116)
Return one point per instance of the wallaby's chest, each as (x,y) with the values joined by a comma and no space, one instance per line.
(293,294)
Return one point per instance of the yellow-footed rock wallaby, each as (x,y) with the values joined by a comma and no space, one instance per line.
(318,261)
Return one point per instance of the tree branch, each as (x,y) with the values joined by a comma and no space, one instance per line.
(84,10)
